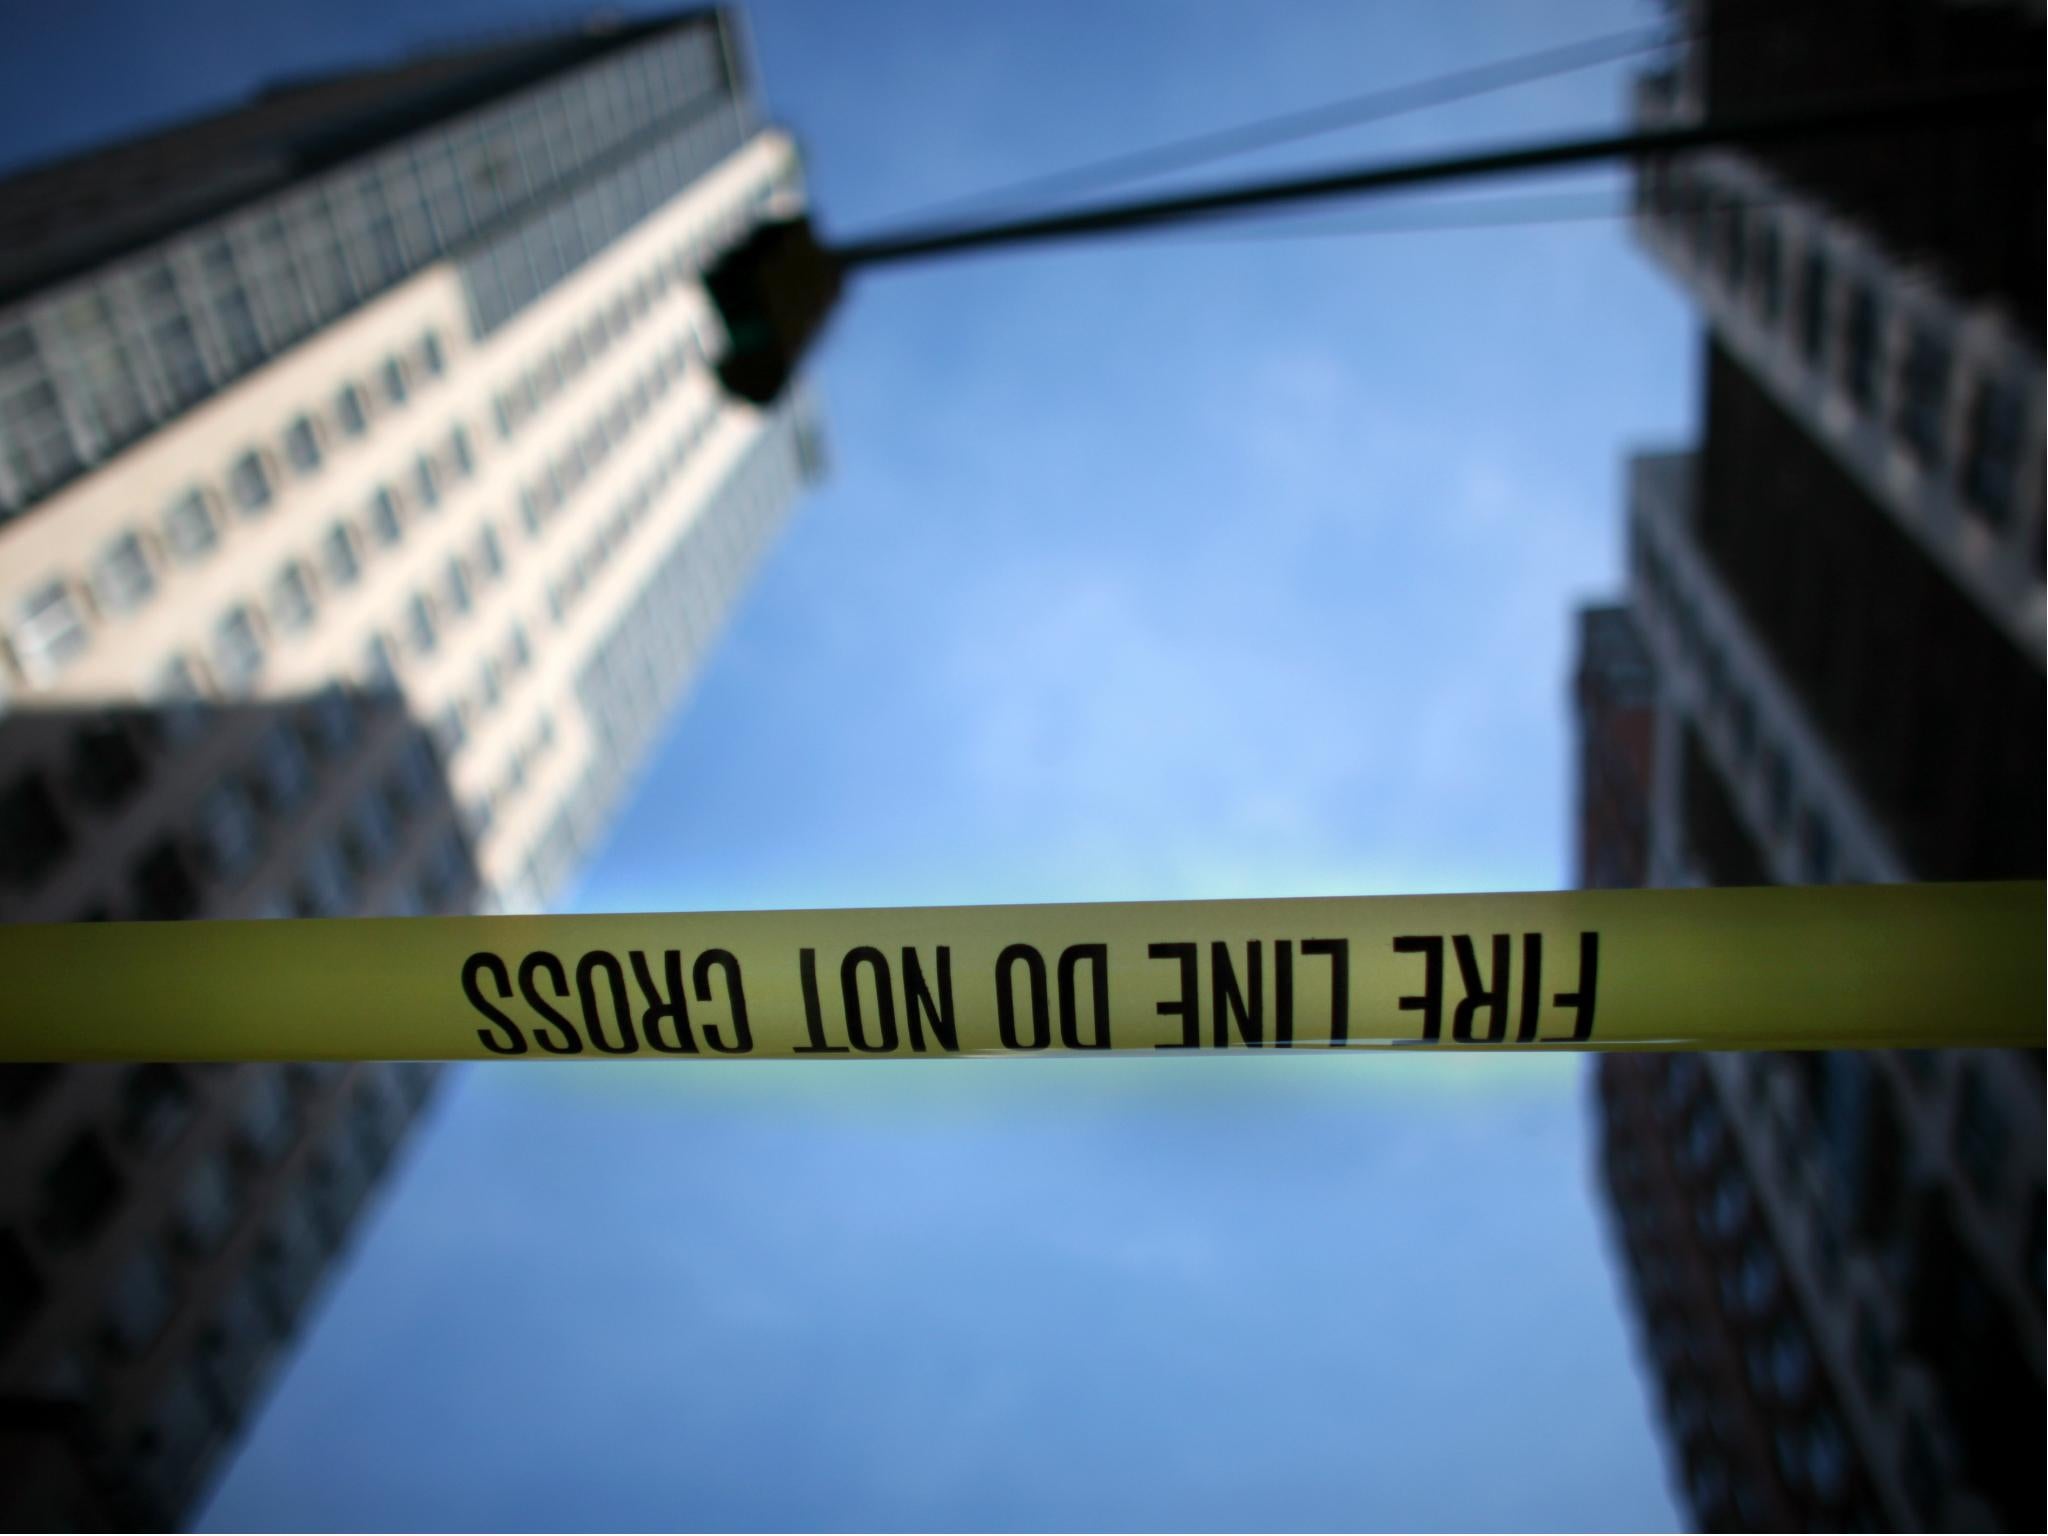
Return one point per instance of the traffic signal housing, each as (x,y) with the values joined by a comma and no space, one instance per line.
(774,291)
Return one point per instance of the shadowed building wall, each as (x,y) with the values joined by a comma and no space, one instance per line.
(1837,1258)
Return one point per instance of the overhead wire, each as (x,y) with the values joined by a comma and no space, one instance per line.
(1889,111)
(1265,133)
(1475,213)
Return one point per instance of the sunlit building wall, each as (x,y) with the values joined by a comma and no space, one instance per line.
(366,504)
(1837,1258)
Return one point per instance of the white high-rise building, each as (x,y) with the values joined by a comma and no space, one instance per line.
(366,503)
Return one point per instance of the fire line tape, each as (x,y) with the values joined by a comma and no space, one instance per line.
(1839,967)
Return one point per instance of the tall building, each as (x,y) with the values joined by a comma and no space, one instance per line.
(1837,1258)
(366,502)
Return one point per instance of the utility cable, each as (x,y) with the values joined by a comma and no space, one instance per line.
(1868,114)
(1264,133)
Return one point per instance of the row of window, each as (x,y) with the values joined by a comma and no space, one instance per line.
(87,370)
(239,817)
(507,274)
(554,370)
(1727,703)
(632,509)
(628,679)
(55,622)
(1741,245)
(301,1225)
(1813,1461)
(583,455)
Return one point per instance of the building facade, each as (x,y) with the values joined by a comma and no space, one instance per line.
(366,505)
(1837,1258)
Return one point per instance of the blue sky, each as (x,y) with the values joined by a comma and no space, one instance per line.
(1172,568)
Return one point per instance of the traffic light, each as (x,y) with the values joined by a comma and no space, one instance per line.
(773,291)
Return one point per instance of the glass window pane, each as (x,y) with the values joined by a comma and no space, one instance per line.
(386,527)
(123,578)
(237,650)
(302,445)
(420,632)
(249,483)
(49,630)
(291,599)
(426,487)
(338,562)
(189,527)
(350,412)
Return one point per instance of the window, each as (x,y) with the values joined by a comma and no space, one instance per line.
(1813,305)
(331,723)
(1991,450)
(380,668)
(433,360)
(177,692)
(156,1106)
(1734,245)
(206,1206)
(162,884)
(238,329)
(302,445)
(391,381)
(184,366)
(412,781)
(229,830)
(490,553)
(386,527)
(79,1192)
(372,836)
(350,413)
(1923,395)
(283,774)
(1860,347)
(326,886)
(237,650)
(49,631)
(265,1118)
(448,732)
(520,650)
(1983,1139)
(386,255)
(106,764)
(122,579)
(447,871)
(1817,847)
(1873,1355)
(460,455)
(1769,280)
(138,1302)
(249,484)
(291,599)
(339,564)
(426,488)
(33,836)
(1791,1360)
(501,411)
(189,527)
(420,633)
(1777,787)
(455,587)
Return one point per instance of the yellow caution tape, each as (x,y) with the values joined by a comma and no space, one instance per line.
(1777,968)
